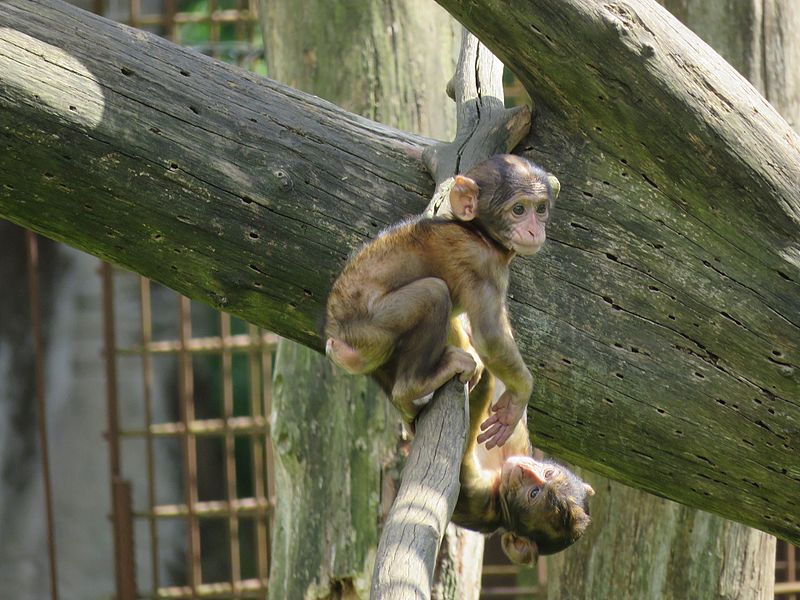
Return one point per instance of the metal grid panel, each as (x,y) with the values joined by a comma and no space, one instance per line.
(225,29)
(252,509)
(787,578)
(228,30)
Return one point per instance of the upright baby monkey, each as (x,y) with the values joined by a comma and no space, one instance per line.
(389,311)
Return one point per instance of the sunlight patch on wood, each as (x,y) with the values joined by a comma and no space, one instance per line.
(59,81)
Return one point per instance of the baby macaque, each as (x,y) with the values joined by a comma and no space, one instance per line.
(540,506)
(389,311)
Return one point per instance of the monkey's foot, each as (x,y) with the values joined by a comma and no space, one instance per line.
(409,396)
(459,362)
(503,418)
(479,366)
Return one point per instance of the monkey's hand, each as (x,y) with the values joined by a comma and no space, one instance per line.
(503,418)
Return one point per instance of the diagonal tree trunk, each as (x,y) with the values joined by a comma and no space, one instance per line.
(696,554)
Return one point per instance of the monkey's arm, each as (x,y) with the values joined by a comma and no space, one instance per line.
(496,346)
(476,500)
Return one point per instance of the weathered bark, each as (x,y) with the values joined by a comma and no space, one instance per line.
(406,556)
(330,438)
(672,264)
(661,550)
(640,547)
(666,320)
(369,59)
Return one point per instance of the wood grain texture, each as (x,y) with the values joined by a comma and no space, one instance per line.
(406,556)
(661,321)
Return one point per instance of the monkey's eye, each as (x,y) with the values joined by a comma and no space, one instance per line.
(534,492)
(541,209)
(518,209)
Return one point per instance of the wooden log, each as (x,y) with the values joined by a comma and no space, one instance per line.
(662,319)
(227,187)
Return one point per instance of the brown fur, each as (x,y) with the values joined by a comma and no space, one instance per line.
(388,312)
(488,502)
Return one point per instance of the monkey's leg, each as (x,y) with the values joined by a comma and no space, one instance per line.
(423,360)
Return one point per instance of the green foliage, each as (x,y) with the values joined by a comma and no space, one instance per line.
(236,43)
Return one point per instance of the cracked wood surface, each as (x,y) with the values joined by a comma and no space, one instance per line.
(662,319)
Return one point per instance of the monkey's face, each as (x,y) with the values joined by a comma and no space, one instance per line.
(526,217)
(544,502)
(515,198)
(523,478)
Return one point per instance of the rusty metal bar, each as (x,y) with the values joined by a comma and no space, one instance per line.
(214,26)
(239,25)
(230,451)
(123,545)
(186,401)
(243,507)
(248,588)
(211,345)
(168,21)
(266,370)
(787,588)
(32,251)
(203,427)
(510,592)
(146,325)
(257,411)
(123,536)
(221,16)
(791,569)
(135,13)
(109,341)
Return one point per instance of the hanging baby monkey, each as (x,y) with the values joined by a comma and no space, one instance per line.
(540,506)
(389,311)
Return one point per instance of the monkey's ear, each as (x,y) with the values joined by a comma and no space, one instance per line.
(519,549)
(464,198)
(555,185)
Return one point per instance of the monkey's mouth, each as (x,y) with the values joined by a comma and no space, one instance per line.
(527,249)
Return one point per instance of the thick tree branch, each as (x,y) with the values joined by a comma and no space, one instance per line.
(230,188)
(662,321)
(664,315)
(406,556)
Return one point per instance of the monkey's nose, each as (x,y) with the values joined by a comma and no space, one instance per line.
(529,473)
